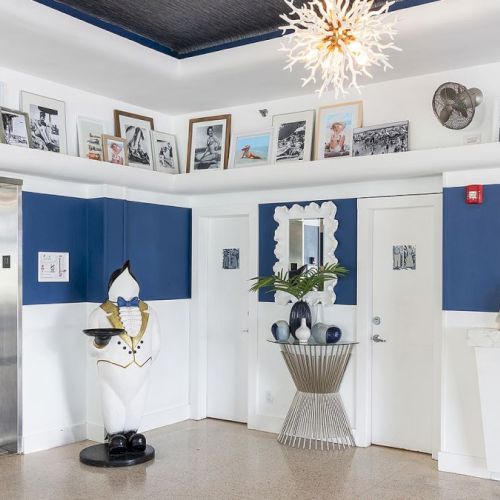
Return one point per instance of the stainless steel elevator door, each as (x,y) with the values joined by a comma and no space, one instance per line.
(9,317)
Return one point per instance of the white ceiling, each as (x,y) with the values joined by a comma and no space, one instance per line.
(435,37)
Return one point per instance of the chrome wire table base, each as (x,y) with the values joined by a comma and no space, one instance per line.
(317,418)
(316,421)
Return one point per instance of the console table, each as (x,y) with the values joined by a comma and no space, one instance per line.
(317,418)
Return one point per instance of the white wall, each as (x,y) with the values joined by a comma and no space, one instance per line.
(404,99)
(78,103)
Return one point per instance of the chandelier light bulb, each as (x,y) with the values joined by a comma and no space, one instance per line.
(337,41)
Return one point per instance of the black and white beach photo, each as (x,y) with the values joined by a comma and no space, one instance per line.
(15,128)
(164,152)
(208,140)
(292,138)
(404,257)
(291,141)
(381,139)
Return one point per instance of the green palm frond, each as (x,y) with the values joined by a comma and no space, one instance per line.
(299,285)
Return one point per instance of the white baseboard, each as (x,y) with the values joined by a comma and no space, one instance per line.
(150,421)
(54,438)
(465,465)
(266,423)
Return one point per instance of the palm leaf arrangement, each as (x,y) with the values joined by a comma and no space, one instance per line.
(299,284)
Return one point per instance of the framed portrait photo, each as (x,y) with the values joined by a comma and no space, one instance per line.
(292,138)
(90,138)
(15,128)
(381,139)
(335,128)
(208,143)
(252,150)
(165,152)
(47,122)
(136,129)
(115,150)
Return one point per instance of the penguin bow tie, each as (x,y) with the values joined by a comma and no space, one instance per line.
(134,302)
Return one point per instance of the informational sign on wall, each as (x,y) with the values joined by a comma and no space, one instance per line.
(53,267)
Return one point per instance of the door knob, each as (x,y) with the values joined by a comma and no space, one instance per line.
(376,320)
(377,338)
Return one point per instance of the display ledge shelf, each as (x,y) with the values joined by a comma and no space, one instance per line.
(422,163)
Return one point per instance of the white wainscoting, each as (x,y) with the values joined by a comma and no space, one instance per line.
(53,375)
(61,400)
(462,448)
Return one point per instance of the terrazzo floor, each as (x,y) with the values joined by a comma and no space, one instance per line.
(224,460)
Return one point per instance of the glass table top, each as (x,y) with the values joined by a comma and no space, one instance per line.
(312,342)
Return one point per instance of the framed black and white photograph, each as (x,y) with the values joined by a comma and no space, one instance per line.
(231,258)
(381,139)
(136,129)
(15,128)
(90,133)
(293,134)
(495,130)
(47,122)
(114,149)
(2,93)
(165,152)
(208,143)
(404,257)
(252,149)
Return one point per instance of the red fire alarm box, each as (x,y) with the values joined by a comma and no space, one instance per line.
(474,194)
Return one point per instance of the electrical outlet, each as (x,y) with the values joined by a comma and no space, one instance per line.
(269,397)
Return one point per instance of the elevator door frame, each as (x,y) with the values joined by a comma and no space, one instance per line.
(19,184)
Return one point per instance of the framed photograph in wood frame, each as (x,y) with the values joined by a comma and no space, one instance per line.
(208,143)
(136,129)
(334,129)
(115,150)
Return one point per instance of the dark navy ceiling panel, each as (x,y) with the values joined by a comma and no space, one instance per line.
(185,28)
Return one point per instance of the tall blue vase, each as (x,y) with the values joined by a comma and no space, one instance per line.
(299,310)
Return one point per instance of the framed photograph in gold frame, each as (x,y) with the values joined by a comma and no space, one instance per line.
(136,129)
(334,129)
(208,143)
(115,150)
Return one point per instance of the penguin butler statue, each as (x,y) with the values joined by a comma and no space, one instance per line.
(124,360)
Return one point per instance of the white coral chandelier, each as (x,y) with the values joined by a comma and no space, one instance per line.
(339,40)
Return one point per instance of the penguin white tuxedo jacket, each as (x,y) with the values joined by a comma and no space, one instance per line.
(124,350)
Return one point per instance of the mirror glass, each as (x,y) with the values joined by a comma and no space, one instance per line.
(305,243)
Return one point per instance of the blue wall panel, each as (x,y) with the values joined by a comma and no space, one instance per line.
(471,280)
(159,248)
(54,224)
(346,251)
(100,234)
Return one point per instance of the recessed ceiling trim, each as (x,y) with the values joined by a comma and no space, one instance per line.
(152,44)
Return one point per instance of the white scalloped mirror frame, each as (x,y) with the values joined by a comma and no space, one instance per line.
(282,215)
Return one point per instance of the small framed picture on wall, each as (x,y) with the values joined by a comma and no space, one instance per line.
(335,128)
(293,134)
(136,129)
(15,128)
(115,150)
(208,143)
(165,152)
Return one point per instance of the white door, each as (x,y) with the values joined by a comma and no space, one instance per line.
(406,311)
(227,318)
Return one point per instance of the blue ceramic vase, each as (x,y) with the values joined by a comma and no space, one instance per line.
(326,334)
(280,331)
(299,310)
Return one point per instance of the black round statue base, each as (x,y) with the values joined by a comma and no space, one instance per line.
(98,456)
